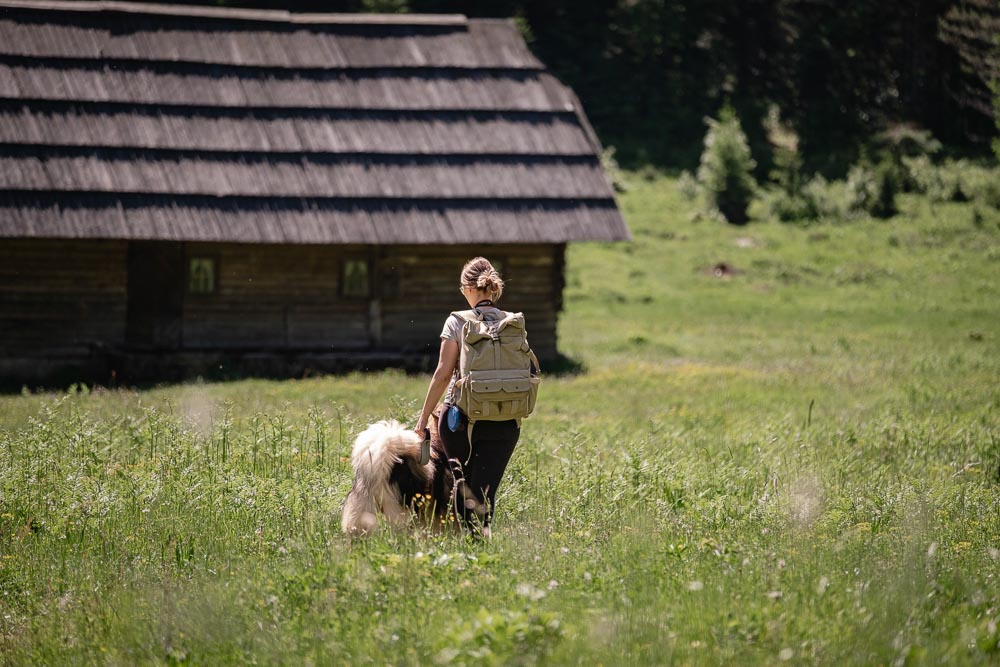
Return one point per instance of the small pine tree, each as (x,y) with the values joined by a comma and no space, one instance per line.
(787,172)
(872,190)
(726,170)
(901,141)
(886,187)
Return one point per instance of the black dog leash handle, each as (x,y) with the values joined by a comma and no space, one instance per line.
(425,448)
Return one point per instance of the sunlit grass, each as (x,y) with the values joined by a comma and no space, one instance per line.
(794,463)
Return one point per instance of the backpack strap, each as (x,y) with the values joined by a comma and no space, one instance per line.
(534,360)
(464,317)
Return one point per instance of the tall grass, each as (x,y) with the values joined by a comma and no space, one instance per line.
(794,461)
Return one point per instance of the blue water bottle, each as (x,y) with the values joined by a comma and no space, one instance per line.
(454,418)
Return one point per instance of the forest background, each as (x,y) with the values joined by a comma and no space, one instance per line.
(648,72)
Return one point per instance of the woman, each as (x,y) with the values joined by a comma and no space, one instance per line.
(477,473)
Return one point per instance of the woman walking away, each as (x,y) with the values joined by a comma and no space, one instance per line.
(478,452)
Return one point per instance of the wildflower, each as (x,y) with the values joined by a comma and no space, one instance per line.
(526,590)
(695,585)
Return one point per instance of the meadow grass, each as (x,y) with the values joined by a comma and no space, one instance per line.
(796,461)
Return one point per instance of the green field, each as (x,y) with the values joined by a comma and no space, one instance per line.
(796,462)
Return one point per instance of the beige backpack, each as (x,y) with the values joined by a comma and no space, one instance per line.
(495,376)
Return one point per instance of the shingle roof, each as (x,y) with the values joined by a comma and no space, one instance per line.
(122,120)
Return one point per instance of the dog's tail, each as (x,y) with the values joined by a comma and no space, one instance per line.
(376,451)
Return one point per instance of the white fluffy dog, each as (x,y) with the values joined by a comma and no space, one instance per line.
(389,479)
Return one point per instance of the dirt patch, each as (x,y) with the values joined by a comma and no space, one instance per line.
(722,270)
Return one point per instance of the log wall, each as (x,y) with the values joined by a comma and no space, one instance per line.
(290,297)
(275,297)
(61,296)
(64,299)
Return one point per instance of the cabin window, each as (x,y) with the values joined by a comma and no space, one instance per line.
(201,275)
(357,281)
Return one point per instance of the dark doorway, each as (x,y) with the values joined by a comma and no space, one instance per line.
(155,294)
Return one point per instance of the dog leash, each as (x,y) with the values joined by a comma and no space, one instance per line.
(425,448)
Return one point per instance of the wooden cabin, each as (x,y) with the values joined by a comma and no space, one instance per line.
(191,190)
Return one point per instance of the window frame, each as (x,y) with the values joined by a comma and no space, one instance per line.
(189,263)
(344,267)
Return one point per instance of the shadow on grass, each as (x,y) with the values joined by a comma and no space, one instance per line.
(564,366)
(234,369)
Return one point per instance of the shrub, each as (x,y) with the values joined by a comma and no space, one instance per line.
(861,187)
(726,169)
(816,199)
(611,169)
(976,182)
(828,198)
(957,180)
(873,190)
(687,186)
(931,180)
(791,207)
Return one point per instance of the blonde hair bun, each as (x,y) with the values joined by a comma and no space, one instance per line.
(479,273)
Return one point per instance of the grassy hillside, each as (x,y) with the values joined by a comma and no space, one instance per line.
(796,460)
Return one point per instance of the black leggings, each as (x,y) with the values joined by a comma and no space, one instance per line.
(476,482)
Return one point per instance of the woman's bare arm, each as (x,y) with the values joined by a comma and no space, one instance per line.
(439,381)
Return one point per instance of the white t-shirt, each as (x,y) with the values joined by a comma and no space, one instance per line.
(453,331)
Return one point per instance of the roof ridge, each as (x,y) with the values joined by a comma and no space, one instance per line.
(264,15)
(8,149)
(298,110)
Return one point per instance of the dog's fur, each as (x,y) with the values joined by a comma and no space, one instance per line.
(388,478)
